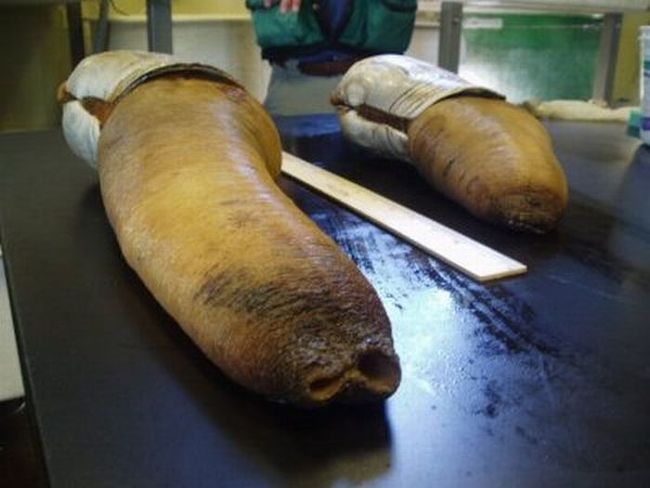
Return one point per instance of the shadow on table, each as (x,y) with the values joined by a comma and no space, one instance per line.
(310,447)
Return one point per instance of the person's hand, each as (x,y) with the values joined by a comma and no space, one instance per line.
(285,5)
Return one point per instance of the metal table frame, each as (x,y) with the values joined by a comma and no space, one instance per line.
(159,33)
(159,25)
(159,28)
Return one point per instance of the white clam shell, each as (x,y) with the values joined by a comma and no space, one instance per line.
(106,76)
(397,85)
(81,131)
(381,138)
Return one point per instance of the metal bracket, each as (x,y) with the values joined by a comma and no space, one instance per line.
(451,26)
(100,43)
(159,25)
(607,56)
(75,32)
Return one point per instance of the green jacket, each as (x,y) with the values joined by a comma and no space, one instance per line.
(374,26)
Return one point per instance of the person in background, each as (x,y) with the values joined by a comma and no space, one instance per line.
(311,43)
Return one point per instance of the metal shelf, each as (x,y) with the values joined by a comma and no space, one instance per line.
(567,6)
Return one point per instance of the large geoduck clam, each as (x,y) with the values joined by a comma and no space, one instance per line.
(492,157)
(187,162)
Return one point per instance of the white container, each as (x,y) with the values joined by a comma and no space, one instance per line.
(644,48)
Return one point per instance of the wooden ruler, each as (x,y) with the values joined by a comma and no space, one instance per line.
(469,256)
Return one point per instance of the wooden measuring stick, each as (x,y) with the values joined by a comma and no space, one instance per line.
(469,256)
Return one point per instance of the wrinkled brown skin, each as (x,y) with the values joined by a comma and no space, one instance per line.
(187,170)
(494,159)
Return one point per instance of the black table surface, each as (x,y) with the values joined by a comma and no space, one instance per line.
(537,380)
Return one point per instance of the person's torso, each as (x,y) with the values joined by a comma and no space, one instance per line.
(333,30)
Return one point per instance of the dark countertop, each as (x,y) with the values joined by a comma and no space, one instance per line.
(537,380)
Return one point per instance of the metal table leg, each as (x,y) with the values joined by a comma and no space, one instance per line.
(159,25)
(607,56)
(75,32)
(451,24)
(100,43)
